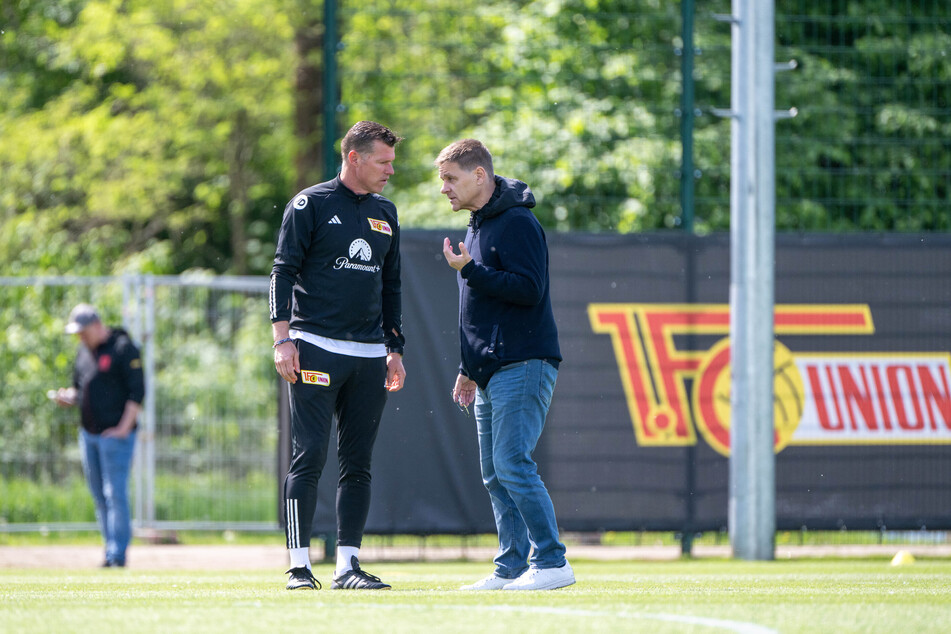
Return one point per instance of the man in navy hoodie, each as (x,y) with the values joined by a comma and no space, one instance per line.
(510,357)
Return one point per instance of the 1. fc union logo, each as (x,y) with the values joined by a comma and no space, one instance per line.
(674,362)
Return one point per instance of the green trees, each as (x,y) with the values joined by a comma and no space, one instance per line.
(415,68)
(868,150)
(590,122)
(158,135)
(143,134)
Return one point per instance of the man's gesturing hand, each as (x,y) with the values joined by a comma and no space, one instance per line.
(456,261)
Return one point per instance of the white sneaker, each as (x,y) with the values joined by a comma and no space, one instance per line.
(492,582)
(543,579)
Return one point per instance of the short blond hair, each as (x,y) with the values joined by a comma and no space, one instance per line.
(467,154)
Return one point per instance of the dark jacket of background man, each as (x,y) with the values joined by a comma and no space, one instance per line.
(106,378)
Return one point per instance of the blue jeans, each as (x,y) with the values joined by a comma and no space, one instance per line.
(106,463)
(510,414)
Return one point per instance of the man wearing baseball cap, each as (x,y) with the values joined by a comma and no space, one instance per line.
(108,386)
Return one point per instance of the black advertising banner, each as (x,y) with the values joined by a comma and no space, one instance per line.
(638,433)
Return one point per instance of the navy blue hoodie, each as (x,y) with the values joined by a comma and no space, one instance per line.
(505,311)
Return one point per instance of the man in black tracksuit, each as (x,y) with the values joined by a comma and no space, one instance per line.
(336,317)
(510,358)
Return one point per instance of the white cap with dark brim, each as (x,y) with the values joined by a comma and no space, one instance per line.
(81,317)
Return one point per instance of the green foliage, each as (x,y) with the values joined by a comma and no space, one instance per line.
(38,440)
(412,69)
(546,85)
(595,141)
(868,148)
(214,401)
(217,497)
(217,419)
(211,344)
(158,136)
(25,501)
(118,126)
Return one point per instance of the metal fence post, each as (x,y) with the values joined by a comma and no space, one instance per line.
(149,417)
(687,214)
(130,321)
(752,502)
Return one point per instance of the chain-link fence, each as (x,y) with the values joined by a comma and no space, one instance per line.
(868,146)
(585,101)
(207,450)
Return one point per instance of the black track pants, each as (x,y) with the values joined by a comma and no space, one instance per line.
(352,389)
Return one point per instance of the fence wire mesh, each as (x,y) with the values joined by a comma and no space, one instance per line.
(583,100)
(870,85)
(207,449)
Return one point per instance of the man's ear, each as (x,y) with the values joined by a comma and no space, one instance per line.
(353,157)
(480,175)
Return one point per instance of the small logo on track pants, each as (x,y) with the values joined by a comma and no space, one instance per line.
(315,378)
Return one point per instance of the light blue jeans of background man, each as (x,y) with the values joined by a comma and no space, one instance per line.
(106,463)
(510,414)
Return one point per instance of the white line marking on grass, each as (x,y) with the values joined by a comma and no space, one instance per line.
(741,627)
(735,626)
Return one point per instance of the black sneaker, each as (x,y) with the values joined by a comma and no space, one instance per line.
(357,579)
(302,578)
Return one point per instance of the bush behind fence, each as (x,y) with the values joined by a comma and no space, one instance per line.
(207,452)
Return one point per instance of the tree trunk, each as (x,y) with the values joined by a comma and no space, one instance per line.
(308,102)
(240,150)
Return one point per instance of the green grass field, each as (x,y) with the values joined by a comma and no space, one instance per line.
(680,596)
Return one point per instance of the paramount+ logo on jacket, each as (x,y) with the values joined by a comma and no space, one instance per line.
(674,364)
(361,252)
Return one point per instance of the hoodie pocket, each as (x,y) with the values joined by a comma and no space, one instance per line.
(495,343)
